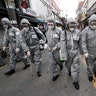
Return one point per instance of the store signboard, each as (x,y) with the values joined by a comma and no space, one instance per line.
(92,9)
(29,11)
(26,9)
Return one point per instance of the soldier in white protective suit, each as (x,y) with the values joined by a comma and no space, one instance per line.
(31,44)
(53,41)
(70,50)
(88,43)
(12,39)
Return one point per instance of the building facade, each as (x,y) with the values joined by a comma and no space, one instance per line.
(90,3)
(34,10)
(46,8)
(87,8)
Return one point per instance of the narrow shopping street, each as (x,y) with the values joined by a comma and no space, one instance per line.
(22,83)
(62,29)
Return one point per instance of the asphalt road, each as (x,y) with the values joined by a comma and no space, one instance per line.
(22,83)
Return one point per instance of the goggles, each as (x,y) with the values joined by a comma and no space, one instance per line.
(72,25)
(50,24)
(3,23)
(93,22)
(25,25)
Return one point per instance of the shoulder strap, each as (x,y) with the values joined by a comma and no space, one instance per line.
(59,33)
(65,36)
(28,34)
(36,33)
(13,30)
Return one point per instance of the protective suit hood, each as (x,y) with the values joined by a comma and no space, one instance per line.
(25,21)
(92,22)
(51,19)
(6,23)
(70,20)
(93,17)
(71,24)
(6,20)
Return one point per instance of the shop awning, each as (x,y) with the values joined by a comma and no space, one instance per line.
(40,20)
(30,18)
(92,10)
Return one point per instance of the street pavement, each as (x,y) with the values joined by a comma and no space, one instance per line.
(23,83)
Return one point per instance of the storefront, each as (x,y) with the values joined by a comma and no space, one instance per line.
(85,17)
(15,10)
(3,11)
(23,10)
(92,10)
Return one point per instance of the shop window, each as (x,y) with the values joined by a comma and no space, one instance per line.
(2,4)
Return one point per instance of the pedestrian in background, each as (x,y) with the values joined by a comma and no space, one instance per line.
(42,29)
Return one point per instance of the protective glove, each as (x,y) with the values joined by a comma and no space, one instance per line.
(63,60)
(28,53)
(86,55)
(54,48)
(4,48)
(41,42)
(17,50)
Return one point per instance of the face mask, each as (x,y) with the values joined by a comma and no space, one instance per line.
(93,27)
(51,27)
(26,28)
(5,26)
(71,29)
